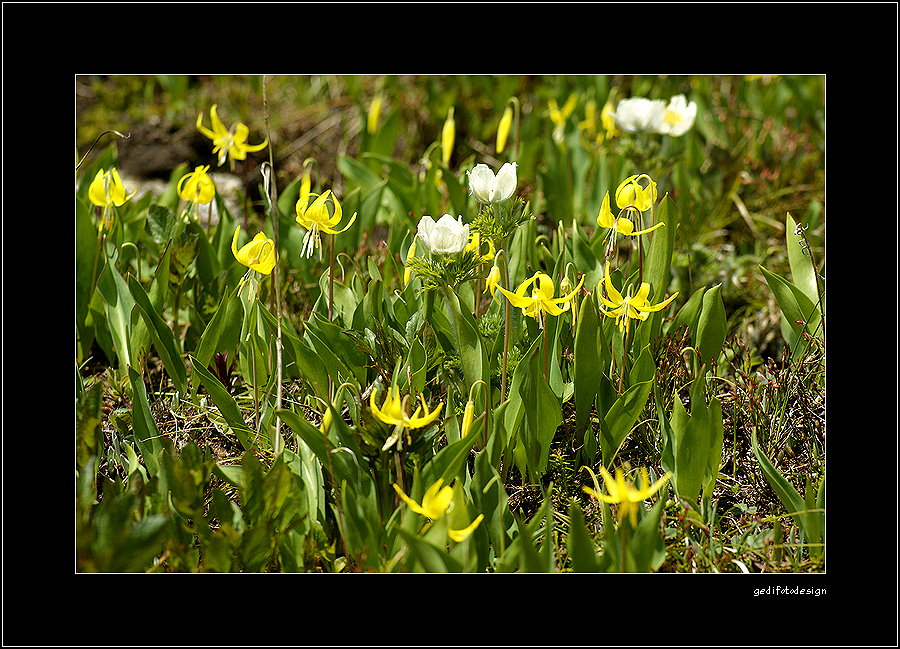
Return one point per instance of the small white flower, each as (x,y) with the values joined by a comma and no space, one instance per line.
(639,114)
(488,188)
(445,237)
(678,117)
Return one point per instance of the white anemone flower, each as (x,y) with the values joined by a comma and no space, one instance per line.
(639,114)
(488,188)
(678,117)
(445,237)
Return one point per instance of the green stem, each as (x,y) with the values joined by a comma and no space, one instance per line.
(507,326)
(625,342)
(276,276)
(546,337)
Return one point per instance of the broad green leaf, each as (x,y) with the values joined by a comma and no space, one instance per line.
(163,338)
(810,522)
(717,439)
(587,363)
(658,263)
(118,304)
(804,275)
(146,434)
(712,326)
(580,544)
(620,419)
(221,334)
(472,355)
(426,557)
(542,415)
(646,549)
(687,315)
(226,404)
(800,313)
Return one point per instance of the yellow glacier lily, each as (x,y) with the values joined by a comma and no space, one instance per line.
(493,280)
(197,186)
(435,501)
(393,410)
(258,254)
(632,195)
(623,493)
(107,189)
(317,218)
(541,300)
(629,307)
(461,535)
(230,143)
(619,224)
(475,246)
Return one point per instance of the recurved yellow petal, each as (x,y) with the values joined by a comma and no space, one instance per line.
(461,535)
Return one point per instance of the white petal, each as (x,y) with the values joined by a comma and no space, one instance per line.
(481,182)
(505,183)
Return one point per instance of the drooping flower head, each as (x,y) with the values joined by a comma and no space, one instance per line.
(622,492)
(493,280)
(230,143)
(196,186)
(108,191)
(258,254)
(317,217)
(632,195)
(488,188)
(620,224)
(444,237)
(628,307)
(541,299)
(475,246)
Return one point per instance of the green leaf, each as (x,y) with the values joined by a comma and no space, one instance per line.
(146,434)
(542,415)
(472,353)
(810,522)
(580,543)
(118,305)
(226,404)
(712,325)
(620,419)
(163,338)
(221,334)
(800,313)
(659,258)
(646,548)
(587,363)
(426,557)
(802,271)
(687,315)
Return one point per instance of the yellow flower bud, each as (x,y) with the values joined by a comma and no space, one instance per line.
(503,129)
(448,135)
(374,114)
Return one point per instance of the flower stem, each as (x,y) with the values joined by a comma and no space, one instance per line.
(276,276)
(625,342)
(507,327)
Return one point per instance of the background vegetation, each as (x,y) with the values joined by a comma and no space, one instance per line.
(178,468)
